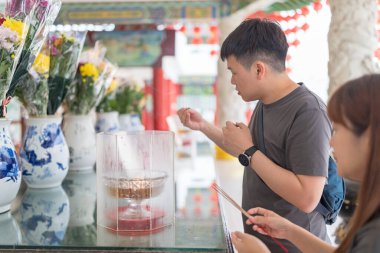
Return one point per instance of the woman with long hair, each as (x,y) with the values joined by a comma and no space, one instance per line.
(354,110)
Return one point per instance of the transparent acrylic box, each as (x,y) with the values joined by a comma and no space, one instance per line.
(135,180)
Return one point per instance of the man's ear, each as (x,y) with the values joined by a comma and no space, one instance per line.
(259,68)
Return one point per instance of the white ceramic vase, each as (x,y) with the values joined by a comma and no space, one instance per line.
(44,215)
(10,173)
(44,153)
(130,122)
(107,122)
(9,230)
(81,190)
(80,135)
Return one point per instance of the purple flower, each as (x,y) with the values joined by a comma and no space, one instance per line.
(54,50)
(44,3)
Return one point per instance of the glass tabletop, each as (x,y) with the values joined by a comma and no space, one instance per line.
(65,218)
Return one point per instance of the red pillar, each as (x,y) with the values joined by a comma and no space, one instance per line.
(161,87)
(160,99)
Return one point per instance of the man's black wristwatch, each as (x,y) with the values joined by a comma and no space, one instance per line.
(245,158)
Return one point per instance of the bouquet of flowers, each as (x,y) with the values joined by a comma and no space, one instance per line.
(108,102)
(129,97)
(12,38)
(65,49)
(93,76)
(42,14)
(33,90)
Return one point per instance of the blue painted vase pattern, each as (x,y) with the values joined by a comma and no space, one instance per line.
(44,215)
(107,122)
(44,154)
(10,173)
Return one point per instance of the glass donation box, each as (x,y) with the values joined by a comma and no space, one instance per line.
(135,181)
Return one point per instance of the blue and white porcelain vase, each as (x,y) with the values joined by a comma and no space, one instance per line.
(107,122)
(79,131)
(130,122)
(9,230)
(44,215)
(81,190)
(44,153)
(10,173)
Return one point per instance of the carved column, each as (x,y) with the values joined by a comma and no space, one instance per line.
(352,40)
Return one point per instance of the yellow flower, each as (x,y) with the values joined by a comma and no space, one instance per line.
(89,69)
(15,25)
(41,63)
(112,86)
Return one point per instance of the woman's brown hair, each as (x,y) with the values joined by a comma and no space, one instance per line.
(356,105)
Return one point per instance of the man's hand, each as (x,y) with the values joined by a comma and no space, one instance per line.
(237,137)
(245,243)
(190,118)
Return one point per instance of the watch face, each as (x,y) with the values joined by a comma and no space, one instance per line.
(243,159)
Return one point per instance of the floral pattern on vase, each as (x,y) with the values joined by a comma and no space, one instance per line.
(10,173)
(44,153)
(44,215)
(107,122)
(130,122)
(80,136)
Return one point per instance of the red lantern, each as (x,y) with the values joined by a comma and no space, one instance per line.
(213,52)
(377,53)
(213,29)
(196,40)
(183,29)
(196,29)
(212,40)
(317,6)
(305,26)
(305,11)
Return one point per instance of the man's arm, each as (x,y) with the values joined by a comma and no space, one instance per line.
(304,192)
(193,120)
(215,134)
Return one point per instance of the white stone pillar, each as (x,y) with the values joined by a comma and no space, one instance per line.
(352,40)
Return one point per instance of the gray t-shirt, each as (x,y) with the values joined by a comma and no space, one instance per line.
(367,238)
(296,136)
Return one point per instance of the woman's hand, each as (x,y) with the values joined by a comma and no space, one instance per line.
(269,223)
(245,243)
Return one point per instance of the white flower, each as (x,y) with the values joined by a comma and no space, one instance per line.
(7,37)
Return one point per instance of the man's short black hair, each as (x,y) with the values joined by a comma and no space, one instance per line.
(257,39)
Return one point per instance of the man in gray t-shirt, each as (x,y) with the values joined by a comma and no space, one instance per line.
(296,133)
(289,175)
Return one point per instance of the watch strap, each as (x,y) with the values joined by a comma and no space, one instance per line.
(250,151)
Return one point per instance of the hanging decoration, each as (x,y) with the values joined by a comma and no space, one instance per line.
(377,52)
(292,15)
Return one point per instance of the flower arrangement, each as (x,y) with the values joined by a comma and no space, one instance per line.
(33,90)
(41,15)
(93,76)
(65,49)
(108,102)
(12,37)
(129,97)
